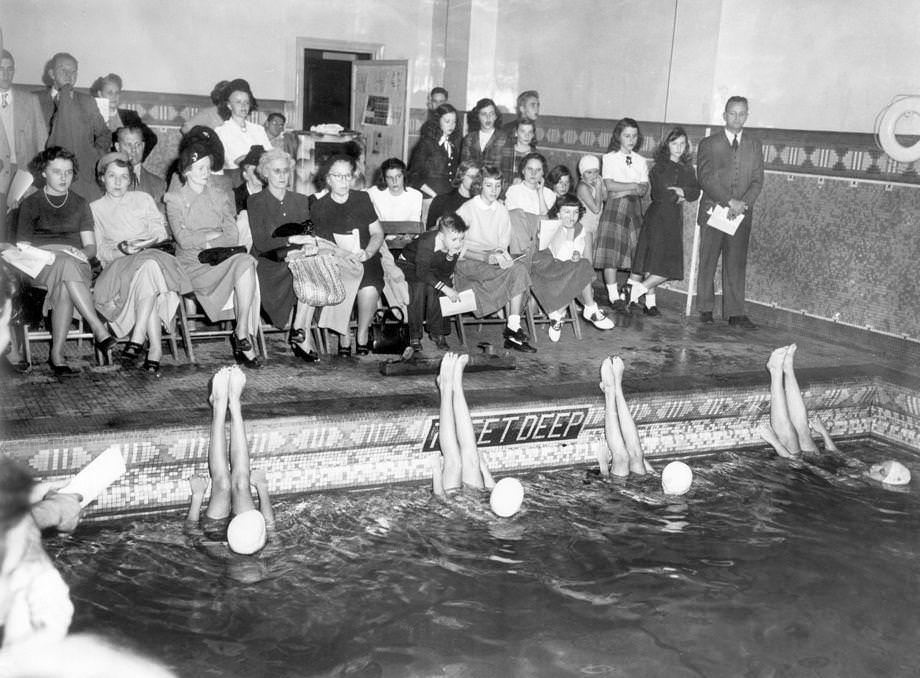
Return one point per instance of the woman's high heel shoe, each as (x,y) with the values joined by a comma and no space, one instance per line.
(310,356)
(62,370)
(240,348)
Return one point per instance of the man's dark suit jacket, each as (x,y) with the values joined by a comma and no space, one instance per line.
(722,179)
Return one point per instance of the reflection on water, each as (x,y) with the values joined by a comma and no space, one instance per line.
(762,569)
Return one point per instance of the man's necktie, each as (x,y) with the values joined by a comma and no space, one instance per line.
(735,143)
(4,99)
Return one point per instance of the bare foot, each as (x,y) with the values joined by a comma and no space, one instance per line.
(607,380)
(237,381)
(459,366)
(776,358)
(789,359)
(446,376)
(819,426)
(220,388)
(616,362)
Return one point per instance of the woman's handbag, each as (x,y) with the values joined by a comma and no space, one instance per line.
(218,255)
(317,279)
(389,332)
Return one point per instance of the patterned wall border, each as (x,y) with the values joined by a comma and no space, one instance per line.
(323,453)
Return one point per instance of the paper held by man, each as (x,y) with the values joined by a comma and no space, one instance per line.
(718,218)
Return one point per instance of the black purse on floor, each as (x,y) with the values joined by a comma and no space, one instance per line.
(389,332)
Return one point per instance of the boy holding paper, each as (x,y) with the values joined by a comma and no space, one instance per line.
(428,263)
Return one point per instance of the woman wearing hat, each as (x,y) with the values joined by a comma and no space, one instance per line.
(201,219)
(138,290)
(237,134)
(252,182)
(58,220)
(592,193)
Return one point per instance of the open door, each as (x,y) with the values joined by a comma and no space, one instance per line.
(380,110)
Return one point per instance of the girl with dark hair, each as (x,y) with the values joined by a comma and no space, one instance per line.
(465,187)
(485,140)
(392,200)
(660,250)
(436,156)
(559,180)
(625,175)
(58,220)
(237,134)
(516,147)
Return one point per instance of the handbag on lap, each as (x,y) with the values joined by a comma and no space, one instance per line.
(217,255)
(317,279)
(389,332)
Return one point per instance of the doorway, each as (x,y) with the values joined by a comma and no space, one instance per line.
(324,79)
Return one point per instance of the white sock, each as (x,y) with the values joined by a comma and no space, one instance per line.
(649,299)
(514,322)
(612,291)
(590,310)
(557,315)
(636,290)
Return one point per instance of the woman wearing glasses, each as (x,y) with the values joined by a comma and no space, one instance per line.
(347,217)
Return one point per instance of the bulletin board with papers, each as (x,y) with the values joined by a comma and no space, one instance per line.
(380,110)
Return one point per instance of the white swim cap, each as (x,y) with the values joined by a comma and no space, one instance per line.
(507,497)
(588,162)
(890,472)
(676,478)
(246,532)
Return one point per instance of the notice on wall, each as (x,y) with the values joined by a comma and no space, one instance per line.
(517,428)
(377,111)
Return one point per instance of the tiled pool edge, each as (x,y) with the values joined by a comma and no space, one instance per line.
(302,454)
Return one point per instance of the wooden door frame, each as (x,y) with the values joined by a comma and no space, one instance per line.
(375,49)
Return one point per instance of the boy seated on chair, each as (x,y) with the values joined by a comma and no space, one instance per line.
(428,263)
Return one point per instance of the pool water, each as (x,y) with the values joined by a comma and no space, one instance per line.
(763,569)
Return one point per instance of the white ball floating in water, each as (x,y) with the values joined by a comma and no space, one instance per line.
(507,497)
(676,478)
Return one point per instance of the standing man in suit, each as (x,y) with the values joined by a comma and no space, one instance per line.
(130,141)
(730,168)
(74,122)
(22,129)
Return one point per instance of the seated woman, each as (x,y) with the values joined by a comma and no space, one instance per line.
(460,465)
(109,87)
(449,203)
(485,140)
(660,249)
(202,218)
(392,200)
(139,288)
(269,209)
(58,220)
(559,180)
(436,156)
(555,282)
(485,265)
(624,453)
(237,133)
(347,213)
(252,181)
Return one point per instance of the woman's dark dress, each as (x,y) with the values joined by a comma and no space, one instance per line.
(660,249)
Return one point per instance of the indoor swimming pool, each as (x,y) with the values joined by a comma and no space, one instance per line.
(765,568)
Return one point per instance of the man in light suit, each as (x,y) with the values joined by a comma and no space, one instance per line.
(75,123)
(730,167)
(130,141)
(22,129)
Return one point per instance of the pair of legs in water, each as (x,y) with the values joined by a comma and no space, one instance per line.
(460,463)
(229,469)
(624,453)
(788,431)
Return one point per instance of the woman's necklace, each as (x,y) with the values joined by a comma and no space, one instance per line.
(48,198)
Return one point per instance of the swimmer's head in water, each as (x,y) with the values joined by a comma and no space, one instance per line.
(676,478)
(890,472)
(246,532)
(507,497)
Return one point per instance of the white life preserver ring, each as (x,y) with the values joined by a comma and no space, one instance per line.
(886,122)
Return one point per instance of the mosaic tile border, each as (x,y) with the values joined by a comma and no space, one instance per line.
(324,453)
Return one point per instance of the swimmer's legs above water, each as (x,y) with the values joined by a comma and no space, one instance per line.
(462,464)
(625,450)
(795,404)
